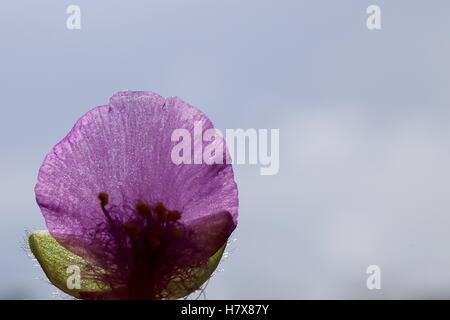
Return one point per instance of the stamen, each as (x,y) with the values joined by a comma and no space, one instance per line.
(143,209)
(174,215)
(131,229)
(104,200)
(161,211)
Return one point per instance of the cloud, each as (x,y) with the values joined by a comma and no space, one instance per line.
(352,191)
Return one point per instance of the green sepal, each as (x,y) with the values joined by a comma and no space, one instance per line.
(55,261)
(179,288)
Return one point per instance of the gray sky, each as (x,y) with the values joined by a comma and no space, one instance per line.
(363,116)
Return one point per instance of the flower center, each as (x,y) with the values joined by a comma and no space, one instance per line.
(154,225)
(152,230)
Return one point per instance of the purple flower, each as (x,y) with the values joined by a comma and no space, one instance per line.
(111,194)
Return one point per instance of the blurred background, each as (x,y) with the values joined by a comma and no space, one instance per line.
(363,116)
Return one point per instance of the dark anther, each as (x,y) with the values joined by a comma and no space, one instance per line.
(143,209)
(161,210)
(174,215)
(104,198)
